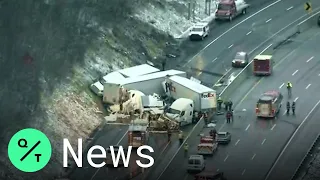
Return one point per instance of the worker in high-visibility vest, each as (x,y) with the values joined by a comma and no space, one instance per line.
(186,147)
(181,137)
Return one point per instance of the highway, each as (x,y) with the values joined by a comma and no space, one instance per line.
(257,143)
(247,33)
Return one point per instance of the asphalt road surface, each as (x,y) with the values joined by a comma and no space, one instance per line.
(256,143)
(247,35)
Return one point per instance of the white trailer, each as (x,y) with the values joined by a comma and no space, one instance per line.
(204,98)
(122,74)
(148,84)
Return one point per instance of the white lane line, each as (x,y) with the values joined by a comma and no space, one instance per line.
(318,74)
(254,155)
(310,59)
(289,8)
(293,135)
(284,113)
(247,127)
(117,144)
(237,142)
(273,127)
(296,99)
(249,33)
(230,29)
(295,72)
(218,170)
(175,154)
(268,20)
(230,46)
(226,158)
(214,59)
(189,60)
(281,85)
(308,86)
(263,141)
(243,172)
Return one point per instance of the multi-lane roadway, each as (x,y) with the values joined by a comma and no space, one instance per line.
(250,33)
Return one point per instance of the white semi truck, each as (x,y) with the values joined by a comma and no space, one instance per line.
(204,98)
(122,74)
(147,84)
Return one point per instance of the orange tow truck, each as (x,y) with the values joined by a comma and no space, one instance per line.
(207,146)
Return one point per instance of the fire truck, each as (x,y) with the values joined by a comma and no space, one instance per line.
(269,104)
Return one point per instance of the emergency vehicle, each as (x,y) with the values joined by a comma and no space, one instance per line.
(138,135)
(207,145)
(262,65)
(229,9)
(269,104)
(199,31)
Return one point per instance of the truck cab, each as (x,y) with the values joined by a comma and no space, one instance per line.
(228,9)
(262,65)
(269,104)
(181,110)
(138,135)
(199,31)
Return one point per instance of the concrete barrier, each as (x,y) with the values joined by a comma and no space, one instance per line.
(306,24)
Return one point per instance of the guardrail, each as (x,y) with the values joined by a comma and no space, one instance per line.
(247,71)
(297,171)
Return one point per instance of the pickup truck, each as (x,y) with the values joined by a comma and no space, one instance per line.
(207,145)
(229,9)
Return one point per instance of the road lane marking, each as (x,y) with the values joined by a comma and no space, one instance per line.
(237,142)
(281,86)
(230,46)
(189,60)
(268,20)
(308,86)
(284,113)
(295,72)
(289,8)
(247,127)
(225,159)
(310,59)
(117,144)
(273,127)
(263,141)
(217,38)
(291,138)
(254,155)
(175,154)
(249,33)
(296,99)
(243,172)
(214,59)
(218,169)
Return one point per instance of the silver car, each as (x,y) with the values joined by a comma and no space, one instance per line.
(223,137)
(240,60)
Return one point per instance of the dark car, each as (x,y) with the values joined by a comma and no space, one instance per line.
(240,60)
(210,176)
(109,161)
(223,137)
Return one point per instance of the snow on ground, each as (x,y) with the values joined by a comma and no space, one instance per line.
(173,18)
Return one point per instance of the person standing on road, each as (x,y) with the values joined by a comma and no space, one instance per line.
(219,101)
(228,116)
(230,104)
(288,107)
(226,105)
(293,107)
(186,147)
(181,137)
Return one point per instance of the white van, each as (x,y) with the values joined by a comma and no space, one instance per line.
(199,31)
(181,110)
(196,163)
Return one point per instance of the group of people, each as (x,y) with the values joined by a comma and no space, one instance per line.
(228,108)
(293,107)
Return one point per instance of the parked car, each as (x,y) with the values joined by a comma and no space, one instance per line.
(223,137)
(196,163)
(240,60)
(199,31)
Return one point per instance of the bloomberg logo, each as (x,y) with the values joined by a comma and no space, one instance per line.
(115,155)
